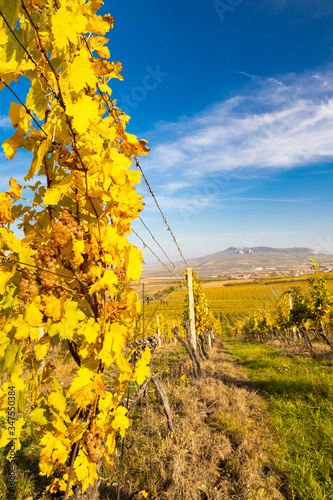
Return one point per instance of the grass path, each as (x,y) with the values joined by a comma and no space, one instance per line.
(299,395)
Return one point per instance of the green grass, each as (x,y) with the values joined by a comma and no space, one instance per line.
(299,393)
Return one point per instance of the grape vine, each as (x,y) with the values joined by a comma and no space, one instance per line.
(64,284)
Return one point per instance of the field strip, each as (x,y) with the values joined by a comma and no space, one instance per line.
(299,394)
(276,291)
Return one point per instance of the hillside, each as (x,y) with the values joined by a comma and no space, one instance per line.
(237,258)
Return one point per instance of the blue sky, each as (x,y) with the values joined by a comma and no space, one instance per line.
(236,100)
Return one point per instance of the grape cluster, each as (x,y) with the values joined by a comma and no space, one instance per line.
(88,277)
(94,446)
(28,288)
(46,262)
(65,227)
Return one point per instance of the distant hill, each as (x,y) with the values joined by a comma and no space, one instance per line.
(242,259)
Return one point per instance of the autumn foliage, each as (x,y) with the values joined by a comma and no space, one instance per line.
(65,283)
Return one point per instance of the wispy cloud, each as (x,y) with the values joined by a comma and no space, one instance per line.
(309,9)
(278,123)
(276,200)
(5,122)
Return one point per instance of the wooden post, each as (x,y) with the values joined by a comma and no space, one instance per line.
(40,335)
(290,301)
(209,339)
(290,307)
(191,308)
(158,331)
(174,324)
(209,332)
(143,311)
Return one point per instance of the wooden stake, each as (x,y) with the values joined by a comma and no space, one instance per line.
(209,340)
(143,311)
(290,307)
(158,331)
(191,308)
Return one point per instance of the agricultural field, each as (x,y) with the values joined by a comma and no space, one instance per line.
(245,297)
(234,300)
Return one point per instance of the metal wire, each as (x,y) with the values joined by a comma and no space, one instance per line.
(159,208)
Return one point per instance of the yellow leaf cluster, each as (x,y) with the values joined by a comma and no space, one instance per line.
(7,199)
(55,449)
(142,370)
(65,283)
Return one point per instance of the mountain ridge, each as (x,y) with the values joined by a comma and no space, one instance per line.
(248,259)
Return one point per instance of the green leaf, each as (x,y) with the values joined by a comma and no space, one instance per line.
(10,10)
(10,357)
(21,402)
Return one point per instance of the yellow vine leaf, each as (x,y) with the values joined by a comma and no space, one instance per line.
(5,438)
(78,249)
(133,260)
(142,370)
(95,5)
(58,485)
(66,25)
(3,35)
(114,342)
(4,278)
(54,194)
(120,422)
(109,279)
(98,25)
(16,189)
(58,401)
(84,111)
(10,146)
(98,44)
(55,449)
(54,308)
(33,316)
(43,148)
(102,68)
(85,470)
(107,403)
(90,330)
(37,416)
(13,244)
(22,328)
(70,322)
(81,73)
(6,208)
(41,350)
(36,99)
(83,157)
(81,387)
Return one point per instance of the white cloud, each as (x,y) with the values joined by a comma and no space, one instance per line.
(5,122)
(279,123)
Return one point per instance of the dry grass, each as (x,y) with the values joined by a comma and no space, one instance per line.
(320,351)
(220,448)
